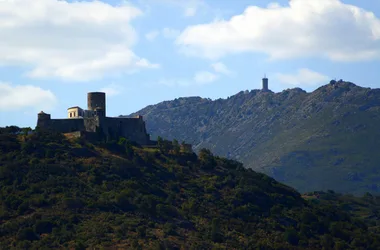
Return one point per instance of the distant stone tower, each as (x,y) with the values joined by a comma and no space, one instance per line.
(96,102)
(265,84)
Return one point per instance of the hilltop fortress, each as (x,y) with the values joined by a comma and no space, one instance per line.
(94,122)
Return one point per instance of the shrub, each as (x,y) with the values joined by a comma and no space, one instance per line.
(169,229)
(43,226)
(141,231)
(73,203)
(292,237)
(27,234)
(23,207)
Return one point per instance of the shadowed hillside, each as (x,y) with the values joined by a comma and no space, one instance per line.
(60,193)
(327,139)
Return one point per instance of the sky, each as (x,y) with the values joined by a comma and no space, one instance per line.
(142,52)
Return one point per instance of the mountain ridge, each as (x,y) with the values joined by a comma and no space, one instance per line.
(269,131)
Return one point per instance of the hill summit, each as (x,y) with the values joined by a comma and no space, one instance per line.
(326,139)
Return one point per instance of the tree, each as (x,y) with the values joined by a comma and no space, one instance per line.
(43,226)
(79,245)
(169,229)
(122,141)
(26,131)
(122,200)
(127,145)
(216,235)
(141,231)
(291,236)
(27,234)
(23,207)
(206,158)
(159,140)
(327,241)
(73,203)
(164,145)
(186,148)
(176,147)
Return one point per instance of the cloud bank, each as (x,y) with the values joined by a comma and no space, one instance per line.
(304,77)
(69,40)
(17,97)
(305,28)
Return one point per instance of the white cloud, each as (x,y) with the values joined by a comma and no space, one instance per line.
(150,36)
(205,77)
(167,33)
(16,97)
(189,7)
(305,28)
(170,33)
(112,90)
(193,7)
(303,77)
(190,11)
(274,5)
(95,39)
(220,67)
(199,78)
(175,82)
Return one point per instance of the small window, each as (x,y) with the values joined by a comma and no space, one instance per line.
(70,114)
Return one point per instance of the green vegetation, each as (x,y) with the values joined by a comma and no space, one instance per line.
(365,208)
(68,193)
(326,139)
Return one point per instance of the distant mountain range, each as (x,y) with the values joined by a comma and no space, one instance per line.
(326,139)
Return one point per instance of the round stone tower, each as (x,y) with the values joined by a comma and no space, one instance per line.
(96,101)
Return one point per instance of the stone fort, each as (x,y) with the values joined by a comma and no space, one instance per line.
(94,122)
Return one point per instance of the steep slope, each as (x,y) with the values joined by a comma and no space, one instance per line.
(63,194)
(327,139)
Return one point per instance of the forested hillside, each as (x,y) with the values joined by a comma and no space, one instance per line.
(68,193)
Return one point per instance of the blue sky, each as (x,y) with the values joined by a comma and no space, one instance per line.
(142,52)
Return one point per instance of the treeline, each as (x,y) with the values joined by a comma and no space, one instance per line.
(14,130)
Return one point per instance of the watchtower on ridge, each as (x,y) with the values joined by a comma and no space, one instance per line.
(265,84)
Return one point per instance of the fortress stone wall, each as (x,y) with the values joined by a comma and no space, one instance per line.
(94,121)
(63,125)
(133,129)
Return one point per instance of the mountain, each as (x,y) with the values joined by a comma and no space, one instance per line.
(67,193)
(326,139)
